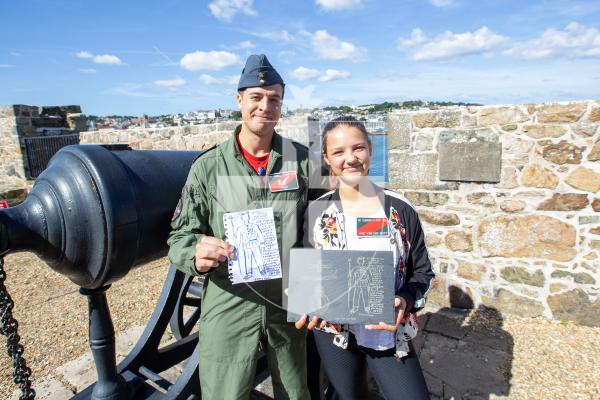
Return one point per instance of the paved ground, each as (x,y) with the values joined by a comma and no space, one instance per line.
(484,357)
(472,355)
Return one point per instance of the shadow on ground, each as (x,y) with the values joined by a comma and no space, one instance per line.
(465,353)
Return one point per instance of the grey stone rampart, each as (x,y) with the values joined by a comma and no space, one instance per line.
(509,197)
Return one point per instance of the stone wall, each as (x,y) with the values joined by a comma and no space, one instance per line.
(13,182)
(508,195)
(193,137)
(509,199)
(21,121)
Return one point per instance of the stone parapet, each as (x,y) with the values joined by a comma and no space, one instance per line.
(192,137)
(508,195)
(18,122)
(12,175)
(509,199)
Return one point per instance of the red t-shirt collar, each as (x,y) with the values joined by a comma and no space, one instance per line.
(258,164)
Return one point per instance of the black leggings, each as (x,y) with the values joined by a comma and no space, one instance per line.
(346,369)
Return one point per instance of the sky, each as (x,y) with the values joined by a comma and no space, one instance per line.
(175,56)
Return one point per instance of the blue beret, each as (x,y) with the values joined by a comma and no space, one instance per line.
(259,72)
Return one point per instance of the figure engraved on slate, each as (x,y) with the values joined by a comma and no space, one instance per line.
(353,286)
(250,255)
(359,287)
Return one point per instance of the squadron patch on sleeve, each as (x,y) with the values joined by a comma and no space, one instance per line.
(177,210)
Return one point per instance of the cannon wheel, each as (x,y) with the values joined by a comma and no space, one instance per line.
(143,366)
(181,326)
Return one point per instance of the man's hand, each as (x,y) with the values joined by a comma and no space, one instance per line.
(400,306)
(210,251)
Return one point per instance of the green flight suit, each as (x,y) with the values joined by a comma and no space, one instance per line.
(236,318)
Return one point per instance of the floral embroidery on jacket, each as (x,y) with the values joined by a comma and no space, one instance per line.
(399,236)
(409,325)
(329,230)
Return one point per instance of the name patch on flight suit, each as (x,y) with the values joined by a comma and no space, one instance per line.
(372,227)
(283,181)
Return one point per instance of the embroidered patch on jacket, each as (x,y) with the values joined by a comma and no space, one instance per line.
(177,210)
(330,231)
(284,181)
(372,227)
(401,237)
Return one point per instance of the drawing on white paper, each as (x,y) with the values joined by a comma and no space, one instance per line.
(253,235)
(249,256)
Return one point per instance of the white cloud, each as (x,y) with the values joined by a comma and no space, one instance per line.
(277,36)
(332,74)
(15,54)
(87,70)
(208,79)
(416,38)
(330,47)
(129,90)
(211,60)
(566,8)
(575,41)
(84,54)
(225,10)
(450,45)
(443,3)
(170,83)
(107,59)
(303,74)
(211,80)
(246,44)
(7,66)
(100,58)
(334,5)
(285,56)
(232,79)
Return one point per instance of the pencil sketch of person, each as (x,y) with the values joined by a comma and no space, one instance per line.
(251,239)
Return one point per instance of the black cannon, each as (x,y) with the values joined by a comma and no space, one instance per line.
(94,214)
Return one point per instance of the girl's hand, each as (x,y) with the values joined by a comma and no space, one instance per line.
(400,306)
(314,322)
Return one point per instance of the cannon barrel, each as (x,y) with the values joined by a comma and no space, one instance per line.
(92,215)
(95,213)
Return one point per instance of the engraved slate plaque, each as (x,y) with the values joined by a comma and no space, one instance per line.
(470,162)
(342,286)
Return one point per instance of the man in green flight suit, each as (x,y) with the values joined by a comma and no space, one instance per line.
(256,168)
